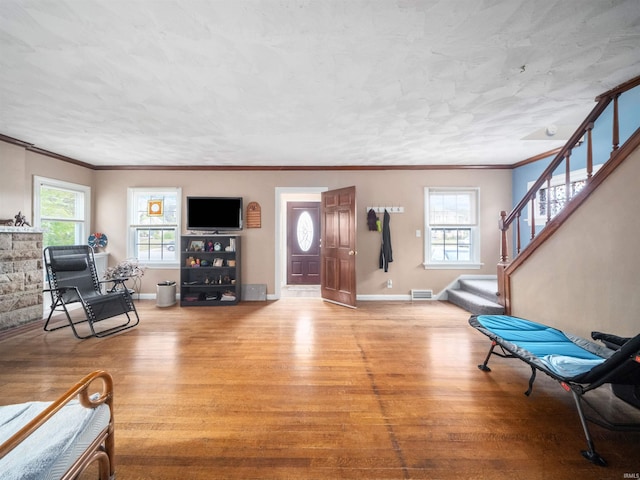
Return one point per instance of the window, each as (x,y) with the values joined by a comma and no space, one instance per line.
(452,237)
(554,195)
(154,225)
(61,210)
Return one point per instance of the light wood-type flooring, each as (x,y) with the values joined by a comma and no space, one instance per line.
(303,389)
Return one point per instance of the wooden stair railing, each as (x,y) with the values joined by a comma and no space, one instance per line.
(506,266)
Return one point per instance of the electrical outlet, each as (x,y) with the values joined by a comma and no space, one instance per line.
(389,283)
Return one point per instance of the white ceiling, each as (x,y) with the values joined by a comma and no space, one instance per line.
(308,82)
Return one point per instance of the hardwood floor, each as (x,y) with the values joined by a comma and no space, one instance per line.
(302,389)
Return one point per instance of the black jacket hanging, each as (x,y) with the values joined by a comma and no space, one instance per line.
(386,253)
(372,218)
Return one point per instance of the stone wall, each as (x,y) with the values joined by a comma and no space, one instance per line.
(21,276)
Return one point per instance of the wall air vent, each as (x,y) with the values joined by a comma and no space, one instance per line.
(417,294)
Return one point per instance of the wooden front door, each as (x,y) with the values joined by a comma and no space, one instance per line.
(338,246)
(303,243)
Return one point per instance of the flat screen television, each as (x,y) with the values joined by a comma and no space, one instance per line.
(214,214)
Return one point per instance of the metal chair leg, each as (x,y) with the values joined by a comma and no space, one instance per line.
(591,453)
(483,366)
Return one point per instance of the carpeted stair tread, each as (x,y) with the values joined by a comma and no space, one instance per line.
(477,296)
(483,288)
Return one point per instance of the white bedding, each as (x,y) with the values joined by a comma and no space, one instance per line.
(51,450)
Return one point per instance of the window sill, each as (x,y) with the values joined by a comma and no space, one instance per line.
(452,266)
(157,265)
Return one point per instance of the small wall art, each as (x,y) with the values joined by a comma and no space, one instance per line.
(254,215)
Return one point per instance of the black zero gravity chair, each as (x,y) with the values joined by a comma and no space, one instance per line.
(73,279)
(579,365)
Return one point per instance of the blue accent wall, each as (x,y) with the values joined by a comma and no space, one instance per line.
(629,117)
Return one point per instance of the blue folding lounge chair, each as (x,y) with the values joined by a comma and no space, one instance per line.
(579,365)
(72,277)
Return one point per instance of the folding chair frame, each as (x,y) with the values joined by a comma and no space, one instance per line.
(62,296)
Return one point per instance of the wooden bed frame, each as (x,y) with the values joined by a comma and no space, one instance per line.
(102,447)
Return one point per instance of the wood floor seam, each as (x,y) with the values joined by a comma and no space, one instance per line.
(395,444)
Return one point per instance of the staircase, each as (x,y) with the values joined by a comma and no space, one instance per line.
(477,296)
(551,214)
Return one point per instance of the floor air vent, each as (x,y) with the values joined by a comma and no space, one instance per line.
(421,294)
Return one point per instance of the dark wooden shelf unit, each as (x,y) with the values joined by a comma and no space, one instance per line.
(209,270)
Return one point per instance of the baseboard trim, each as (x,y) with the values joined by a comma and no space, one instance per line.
(384,298)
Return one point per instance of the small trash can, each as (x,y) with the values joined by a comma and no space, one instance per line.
(166,294)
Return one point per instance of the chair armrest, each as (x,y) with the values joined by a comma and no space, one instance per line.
(115,279)
(117,282)
(81,391)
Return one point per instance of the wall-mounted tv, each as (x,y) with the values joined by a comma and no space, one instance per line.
(215,214)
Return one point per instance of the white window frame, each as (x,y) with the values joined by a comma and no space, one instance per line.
(84,221)
(474,262)
(132,194)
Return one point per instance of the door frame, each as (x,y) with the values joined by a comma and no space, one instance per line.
(284,194)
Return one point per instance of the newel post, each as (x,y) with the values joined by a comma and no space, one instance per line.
(503,294)
(504,253)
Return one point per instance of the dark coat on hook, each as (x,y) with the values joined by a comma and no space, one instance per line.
(372,218)
(386,253)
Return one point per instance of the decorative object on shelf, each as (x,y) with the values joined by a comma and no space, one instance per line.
(228,296)
(217,246)
(254,215)
(19,220)
(98,240)
(196,246)
(209,246)
(217,262)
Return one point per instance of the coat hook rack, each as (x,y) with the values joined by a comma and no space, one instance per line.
(388,209)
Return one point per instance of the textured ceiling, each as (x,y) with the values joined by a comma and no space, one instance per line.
(308,82)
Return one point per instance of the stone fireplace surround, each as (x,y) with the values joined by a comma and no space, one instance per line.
(21,276)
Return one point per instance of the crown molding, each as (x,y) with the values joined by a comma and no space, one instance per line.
(280,168)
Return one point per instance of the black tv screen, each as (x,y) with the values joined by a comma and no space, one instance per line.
(216,214)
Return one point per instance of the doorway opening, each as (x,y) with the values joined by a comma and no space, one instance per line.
(290,234)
